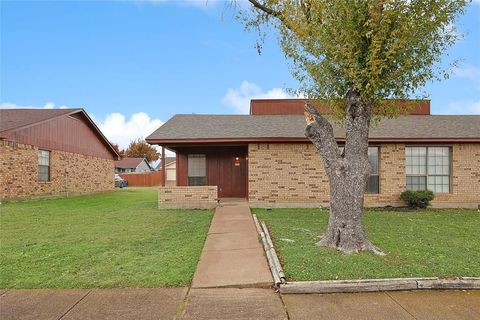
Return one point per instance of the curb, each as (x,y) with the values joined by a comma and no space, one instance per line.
(272,258)
(372,285)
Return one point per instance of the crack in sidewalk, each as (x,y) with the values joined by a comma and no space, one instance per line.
(398,303)
(80,300)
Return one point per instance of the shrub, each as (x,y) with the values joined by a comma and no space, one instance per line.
(417,199)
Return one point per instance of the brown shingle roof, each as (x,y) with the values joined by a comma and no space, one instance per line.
(126,163)
(17,118)
(245,127)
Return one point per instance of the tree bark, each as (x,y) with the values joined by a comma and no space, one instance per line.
(348,173)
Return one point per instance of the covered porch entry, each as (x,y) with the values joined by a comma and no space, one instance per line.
(224,166)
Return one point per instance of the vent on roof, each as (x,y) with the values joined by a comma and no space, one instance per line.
(295,106)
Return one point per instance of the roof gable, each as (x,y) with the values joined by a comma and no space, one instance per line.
(23,125)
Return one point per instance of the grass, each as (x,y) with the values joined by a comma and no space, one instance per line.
(118,239)
(441,243)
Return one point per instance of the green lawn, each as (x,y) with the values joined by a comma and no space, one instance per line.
(442,243)
(117,239)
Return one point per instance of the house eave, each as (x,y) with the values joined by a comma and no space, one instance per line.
(166,142)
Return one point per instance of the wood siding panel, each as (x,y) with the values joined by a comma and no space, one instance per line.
(182,169)
(67,133)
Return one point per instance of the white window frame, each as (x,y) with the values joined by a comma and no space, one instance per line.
(426,166)
(44,161)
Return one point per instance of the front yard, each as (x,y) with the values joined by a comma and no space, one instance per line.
(116,239)
(443,243)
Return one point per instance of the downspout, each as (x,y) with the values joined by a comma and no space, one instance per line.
(66,182)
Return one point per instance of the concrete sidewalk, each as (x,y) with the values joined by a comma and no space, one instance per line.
(232,255)
(402,305)
(86,304)
(233,303)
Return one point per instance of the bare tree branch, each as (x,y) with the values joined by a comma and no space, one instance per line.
(267,10)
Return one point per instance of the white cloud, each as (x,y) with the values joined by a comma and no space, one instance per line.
(469,72)
(48,105)
(239,98)
(462,107)
(118,129)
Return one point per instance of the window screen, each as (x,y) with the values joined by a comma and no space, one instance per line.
(197,170)
(428,168)
(373,185)
(43,165)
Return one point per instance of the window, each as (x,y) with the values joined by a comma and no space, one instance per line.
(43,165)
(373,185)
(197,170)
(428,168)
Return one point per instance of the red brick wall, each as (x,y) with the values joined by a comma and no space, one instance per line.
(292,175)
(188,197)
(70,173)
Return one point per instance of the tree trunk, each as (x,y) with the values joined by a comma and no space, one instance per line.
(348,173)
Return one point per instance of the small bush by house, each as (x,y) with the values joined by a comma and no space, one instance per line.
(417,199)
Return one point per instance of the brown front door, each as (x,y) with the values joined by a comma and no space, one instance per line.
(227,169)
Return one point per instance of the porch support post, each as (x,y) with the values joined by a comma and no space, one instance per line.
(164,176)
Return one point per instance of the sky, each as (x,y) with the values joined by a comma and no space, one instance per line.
(134,64)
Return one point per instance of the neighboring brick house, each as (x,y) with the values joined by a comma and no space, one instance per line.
(127,165)
(51,152)
(265,157)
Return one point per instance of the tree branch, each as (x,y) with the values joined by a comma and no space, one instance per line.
(306,6)
(320,132)
(267,10)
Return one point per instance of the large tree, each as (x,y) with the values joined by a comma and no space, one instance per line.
(120,152)
(141,149)
(356,55)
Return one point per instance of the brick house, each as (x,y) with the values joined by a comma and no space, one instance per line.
(265,157)
(50,152)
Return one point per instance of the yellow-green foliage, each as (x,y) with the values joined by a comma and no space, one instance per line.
(381,49)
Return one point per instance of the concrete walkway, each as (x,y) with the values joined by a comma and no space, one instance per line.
(233,255)
(233,280)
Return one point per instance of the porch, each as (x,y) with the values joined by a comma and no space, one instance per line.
(205,174)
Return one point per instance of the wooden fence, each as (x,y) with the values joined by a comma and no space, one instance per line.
(143,179)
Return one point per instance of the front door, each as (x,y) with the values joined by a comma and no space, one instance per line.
(227,169)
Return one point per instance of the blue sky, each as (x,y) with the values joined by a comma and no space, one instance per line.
(134,64)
